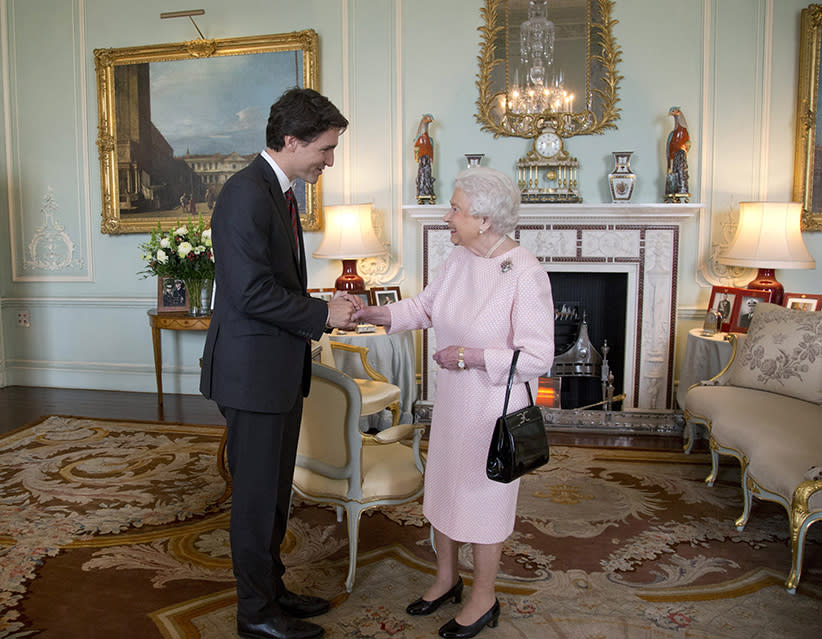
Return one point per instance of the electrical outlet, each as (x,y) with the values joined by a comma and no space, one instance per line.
(23,319)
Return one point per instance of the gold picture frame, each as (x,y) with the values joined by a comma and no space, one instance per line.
(807,185)
(598,83)
(145,179)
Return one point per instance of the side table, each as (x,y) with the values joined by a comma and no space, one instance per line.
(176,321)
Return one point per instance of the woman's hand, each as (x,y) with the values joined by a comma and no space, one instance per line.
(379,315)
(449,358)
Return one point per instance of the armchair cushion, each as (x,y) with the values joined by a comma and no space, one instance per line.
(377,395)
(782,353)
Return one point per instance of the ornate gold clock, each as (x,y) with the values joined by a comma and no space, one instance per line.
(547,173)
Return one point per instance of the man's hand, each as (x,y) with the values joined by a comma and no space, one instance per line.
(340,309)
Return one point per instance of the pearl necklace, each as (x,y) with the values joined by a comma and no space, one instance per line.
(495,247)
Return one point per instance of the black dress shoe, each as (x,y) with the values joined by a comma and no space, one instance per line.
(302,606)
(453,630)
(424,607)
(279,628)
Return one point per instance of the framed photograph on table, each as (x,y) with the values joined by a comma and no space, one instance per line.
(746,301)
(171,295)
(365,297)
(722,301)
(382,295)
(802,301)
(324,294)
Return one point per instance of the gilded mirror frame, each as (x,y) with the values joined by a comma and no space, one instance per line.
(807,187)
(304,44)
(603,97)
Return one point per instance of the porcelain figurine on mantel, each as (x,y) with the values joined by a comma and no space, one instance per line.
(676,151)
(622,181)
(424,155)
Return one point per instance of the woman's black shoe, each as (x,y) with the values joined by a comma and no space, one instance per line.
(423,607)
(453,630)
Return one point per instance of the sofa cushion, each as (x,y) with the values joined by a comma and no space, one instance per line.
(750,421)
(782,353)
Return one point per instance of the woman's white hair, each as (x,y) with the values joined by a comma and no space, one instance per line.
(493,195)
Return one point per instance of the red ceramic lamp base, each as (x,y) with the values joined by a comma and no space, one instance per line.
(350,280)
(765,280)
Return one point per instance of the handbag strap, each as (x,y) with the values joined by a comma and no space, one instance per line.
(511,383)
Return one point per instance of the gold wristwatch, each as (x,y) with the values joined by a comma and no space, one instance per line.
(461,358)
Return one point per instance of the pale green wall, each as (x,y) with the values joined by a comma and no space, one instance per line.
(729,64)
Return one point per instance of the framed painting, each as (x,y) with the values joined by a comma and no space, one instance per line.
(802,301)
(807,183)
(722,301)
(746,301)
(382,295)
(172,295)
(175,121)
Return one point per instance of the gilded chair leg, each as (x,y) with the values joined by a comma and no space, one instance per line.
(747,498)
(222,468)
(689,437)
(710,479)
(395,413)
(353,512)
(801,519)
(798,530)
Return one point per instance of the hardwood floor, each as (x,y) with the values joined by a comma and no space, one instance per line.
(21,405)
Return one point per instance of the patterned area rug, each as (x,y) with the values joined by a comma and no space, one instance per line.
(106,531)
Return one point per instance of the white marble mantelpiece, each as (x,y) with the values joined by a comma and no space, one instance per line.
(640,240)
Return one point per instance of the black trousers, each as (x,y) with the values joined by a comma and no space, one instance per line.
(261,450)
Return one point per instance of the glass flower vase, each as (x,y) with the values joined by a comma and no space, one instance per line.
(199,296)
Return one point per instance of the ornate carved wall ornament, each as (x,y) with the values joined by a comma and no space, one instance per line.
(51,249)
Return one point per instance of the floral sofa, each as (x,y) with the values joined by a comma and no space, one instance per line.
(765,409)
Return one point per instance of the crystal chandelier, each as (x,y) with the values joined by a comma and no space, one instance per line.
(543,89)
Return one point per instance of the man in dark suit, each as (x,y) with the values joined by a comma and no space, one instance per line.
(257,359)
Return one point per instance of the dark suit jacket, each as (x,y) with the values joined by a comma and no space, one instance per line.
(257,354)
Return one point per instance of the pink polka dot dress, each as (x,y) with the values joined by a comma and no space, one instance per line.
(497,304)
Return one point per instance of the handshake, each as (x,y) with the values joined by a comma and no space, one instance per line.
(345,311)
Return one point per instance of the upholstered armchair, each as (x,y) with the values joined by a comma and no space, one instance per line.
(338,464)
(765,410)
(378,394)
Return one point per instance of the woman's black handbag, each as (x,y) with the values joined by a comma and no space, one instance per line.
(518,444)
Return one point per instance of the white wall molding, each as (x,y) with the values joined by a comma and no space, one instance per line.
(91,303)
(29,233)
(708,151)
(720,218)
(119,376)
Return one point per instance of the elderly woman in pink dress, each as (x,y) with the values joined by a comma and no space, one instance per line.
(490,297)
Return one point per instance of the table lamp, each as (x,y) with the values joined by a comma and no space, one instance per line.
(349,236)
(768,237)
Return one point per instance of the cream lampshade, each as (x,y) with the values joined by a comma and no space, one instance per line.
(349,236)
(768,237)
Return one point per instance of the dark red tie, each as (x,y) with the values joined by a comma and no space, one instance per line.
(295,216)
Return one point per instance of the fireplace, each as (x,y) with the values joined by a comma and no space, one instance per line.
(636,245)
(600,301)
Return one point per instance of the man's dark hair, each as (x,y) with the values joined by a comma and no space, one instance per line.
(303,113)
